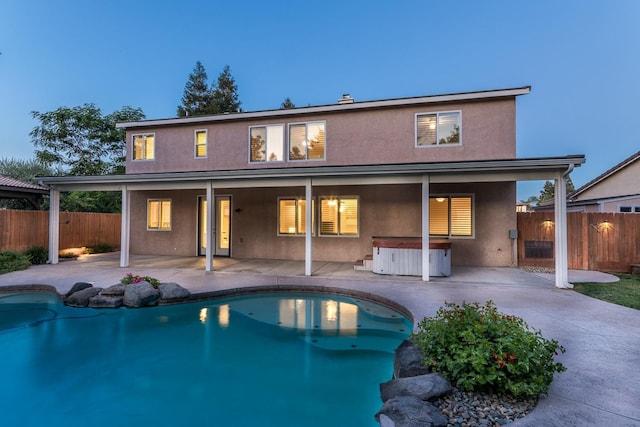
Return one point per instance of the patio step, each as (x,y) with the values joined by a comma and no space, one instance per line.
(365,264)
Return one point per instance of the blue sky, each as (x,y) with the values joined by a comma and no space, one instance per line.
(582,59)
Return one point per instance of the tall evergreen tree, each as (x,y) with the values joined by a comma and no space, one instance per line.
(225,93)
(197,98)
(287,104)
(548,192)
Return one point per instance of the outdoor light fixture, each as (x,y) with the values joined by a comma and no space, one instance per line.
(439,199)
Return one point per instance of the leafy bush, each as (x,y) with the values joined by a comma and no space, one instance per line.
(100,248)
(13,261)
(130,278)
(479,349)
(37,255)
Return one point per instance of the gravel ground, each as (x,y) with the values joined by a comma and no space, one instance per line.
(468,409)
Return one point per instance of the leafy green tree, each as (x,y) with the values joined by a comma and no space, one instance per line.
(225,93)
(81,140)
(197,99)
(287,104)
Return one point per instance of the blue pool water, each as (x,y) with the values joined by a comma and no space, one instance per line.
(259,360)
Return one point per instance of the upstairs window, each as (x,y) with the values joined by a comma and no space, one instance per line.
(438,128)
(306,141)
(339,216)
(451,216)
(292,216)
(144,147)
(266,143)
(159,214)
(200,144)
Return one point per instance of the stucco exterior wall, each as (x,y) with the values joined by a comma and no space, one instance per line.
(625,182)
(385,210)
(376,136)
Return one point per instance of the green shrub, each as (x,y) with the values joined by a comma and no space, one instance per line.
(131,278)
(479,349)
(37,255)
(100,248)
(13,261)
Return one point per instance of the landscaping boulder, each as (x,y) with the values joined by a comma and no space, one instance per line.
(172,291)
(140,294)
(116,290)
(409,361)
(81,297)
(78,286)
(105,301)
(424,387)
(404,411)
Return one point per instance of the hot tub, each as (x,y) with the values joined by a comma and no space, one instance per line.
(403,256)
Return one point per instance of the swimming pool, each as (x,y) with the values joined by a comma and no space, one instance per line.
(265,359)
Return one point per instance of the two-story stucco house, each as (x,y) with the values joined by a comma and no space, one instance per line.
(319,183)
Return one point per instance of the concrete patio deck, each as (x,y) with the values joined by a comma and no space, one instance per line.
(600,388)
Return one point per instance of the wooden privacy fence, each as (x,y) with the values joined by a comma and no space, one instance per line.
(595,241)
(20,230)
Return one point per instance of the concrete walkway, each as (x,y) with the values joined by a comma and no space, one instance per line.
(600,388)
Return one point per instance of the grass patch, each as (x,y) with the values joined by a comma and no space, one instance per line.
(626,292)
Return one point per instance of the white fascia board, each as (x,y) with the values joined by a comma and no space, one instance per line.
(456,97)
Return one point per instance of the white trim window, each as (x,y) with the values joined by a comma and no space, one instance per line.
(307,141)
(143,146)
(200,144)
(292,214)
(629,209)
(339,216)
(451,216)
(440,128)
(266,143)
(159,215)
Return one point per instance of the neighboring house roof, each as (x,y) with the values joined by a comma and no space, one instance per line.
(10,188)
(623,164)
(340,106)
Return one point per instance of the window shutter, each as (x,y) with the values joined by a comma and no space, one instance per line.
(275,143)
(315,133)
(461,216)
(426,129)
(297,142)
(153,214)
(149,147)
(349,216)
(449,128)
(329,216)
(287,216)
(439,216)
(165,211)
(201,144)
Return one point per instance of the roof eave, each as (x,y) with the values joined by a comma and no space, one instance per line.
(432,99)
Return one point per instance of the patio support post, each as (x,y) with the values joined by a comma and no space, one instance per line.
(125,227)
(562,265)
(54,226)
(425,228)
(308,258)
(208,264)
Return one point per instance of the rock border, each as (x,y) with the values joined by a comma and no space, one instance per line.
(417,397)
(134,295)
